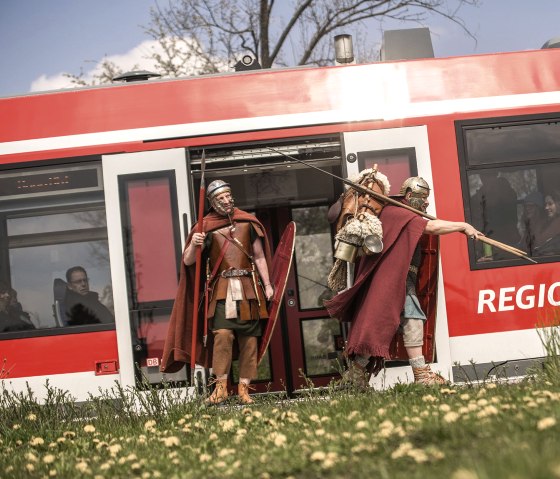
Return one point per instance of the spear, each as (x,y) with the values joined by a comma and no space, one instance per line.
(198,264)
(386,199)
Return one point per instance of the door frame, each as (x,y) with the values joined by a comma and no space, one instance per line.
(394,139)
(115,166)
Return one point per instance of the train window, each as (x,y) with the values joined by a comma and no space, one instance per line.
(55,256)
(511,173)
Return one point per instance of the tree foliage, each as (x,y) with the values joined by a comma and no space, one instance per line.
(208,36)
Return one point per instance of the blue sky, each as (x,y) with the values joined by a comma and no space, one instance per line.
(40,39)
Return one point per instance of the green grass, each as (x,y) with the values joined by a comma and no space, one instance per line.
(487,432)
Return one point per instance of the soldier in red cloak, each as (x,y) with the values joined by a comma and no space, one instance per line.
(383,296)
(237,258)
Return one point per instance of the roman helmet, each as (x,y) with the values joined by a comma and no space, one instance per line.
(216,188)
(419,191)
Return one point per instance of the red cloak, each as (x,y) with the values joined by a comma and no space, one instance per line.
(374,303)
(177,348)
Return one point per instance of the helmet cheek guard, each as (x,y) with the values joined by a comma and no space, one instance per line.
(215,189)
(419,191)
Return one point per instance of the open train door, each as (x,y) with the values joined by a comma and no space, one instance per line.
(400,153)
(147,196)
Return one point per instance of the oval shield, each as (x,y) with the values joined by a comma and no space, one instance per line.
(281,264)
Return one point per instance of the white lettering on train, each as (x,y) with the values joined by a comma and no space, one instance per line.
(526,297)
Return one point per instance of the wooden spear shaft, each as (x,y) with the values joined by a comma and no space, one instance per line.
(386,199)
(198,265)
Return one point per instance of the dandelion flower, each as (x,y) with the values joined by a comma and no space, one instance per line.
(89,428)
(31,417)
(228,425)
(48,459)
(226,452)
(205,457)
(418,455)
(69,434)
(464,397)
(220,464)
(451,416)
(82,466)
(280,440)
(150,425)
(31,457)
(213,437)
(37,441)
(318,456)
(30,467)
(429,398)
(491,386)
(114,449)
(445,408)
(15,427)
(361,424)
(320,432)
(402,450)
(464,474)
(52,472)
(545,423)
(171,441)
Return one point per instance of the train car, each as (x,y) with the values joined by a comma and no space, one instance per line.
(106,179)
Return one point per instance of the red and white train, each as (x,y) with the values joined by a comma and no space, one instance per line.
(106,178)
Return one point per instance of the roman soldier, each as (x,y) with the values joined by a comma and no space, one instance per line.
(383,296)
(237,286)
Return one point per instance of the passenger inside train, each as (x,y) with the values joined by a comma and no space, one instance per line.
(12,316)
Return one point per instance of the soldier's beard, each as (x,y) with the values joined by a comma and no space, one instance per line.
(418,203)
(222,209)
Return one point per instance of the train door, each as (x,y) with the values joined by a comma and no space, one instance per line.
(146,195)
(400,153)
(306,344)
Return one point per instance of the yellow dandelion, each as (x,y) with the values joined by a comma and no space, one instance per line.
(31,417)
(15,427)
(52,473)
(545,423)
(361,424)
(150,425)
(69,434)
(280,440)
(418,455)
(213,437)
(226,452)
(31,457)
(320,432)
(464,397)
(353,414)
(37,441)
(464,474)
(491,386)
(228,425)
(482,402)
(451,416)
(381,411)
(445,408)
(114,449)
(89,428)
(220,464)
(48,459)
(171,441)
(136,466)
(82,466)
(205,458)
(402,450)
(318,456)
(30,467)
(429,398)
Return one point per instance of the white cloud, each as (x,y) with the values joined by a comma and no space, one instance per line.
(137,57)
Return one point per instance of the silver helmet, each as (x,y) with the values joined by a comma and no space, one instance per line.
(419,191)
(215,189)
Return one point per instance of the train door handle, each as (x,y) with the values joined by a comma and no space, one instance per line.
(291,300)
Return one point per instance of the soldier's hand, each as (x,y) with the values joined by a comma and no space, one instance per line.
(198,239)
(269,292)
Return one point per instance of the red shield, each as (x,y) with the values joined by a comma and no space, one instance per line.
(281,264)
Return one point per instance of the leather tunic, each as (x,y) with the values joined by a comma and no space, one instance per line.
(236,257)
